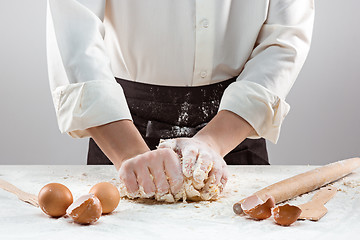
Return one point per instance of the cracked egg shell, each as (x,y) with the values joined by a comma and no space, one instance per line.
(85,210)
(286,215)
(108,195)
(54,199)
(256,208)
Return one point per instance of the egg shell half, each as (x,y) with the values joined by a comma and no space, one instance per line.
(85,210)
(286,215)
(254,207)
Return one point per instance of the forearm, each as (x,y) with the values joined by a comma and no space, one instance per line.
(119,141)
(224,132)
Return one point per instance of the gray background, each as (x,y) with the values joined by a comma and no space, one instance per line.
(323,124)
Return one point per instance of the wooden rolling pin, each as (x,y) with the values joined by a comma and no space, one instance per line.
(305,182)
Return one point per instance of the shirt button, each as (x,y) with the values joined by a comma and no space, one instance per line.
(205,23)
(203,74)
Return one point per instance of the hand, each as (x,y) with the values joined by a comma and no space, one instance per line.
(200,161)
(156,172)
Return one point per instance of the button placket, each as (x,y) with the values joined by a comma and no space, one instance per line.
(204,42)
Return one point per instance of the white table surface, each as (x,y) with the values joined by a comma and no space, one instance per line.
(151,220)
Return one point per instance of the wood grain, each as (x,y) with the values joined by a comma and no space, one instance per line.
(305,182)
(23,196)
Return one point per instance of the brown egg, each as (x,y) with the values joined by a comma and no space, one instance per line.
(85,210)
(287,214)
(54,199)
(108,195)
(254,207)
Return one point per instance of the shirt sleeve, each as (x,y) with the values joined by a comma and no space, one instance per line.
(258,94)
(84,90)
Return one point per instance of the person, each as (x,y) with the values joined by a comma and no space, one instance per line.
(207,78)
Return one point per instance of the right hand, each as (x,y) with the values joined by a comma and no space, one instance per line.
(158,171)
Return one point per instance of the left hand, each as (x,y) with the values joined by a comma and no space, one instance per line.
(157,172)
(200,160)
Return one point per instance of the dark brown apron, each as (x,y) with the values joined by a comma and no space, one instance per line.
(162,112)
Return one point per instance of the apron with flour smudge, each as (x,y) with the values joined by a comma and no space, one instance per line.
(162,112)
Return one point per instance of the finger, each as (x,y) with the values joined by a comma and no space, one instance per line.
(189,157)
(169,143)
(145,180)
(224,177)
(128,177)
(172,144)
(202,167)
(157,170)
(216,172)
(173,171)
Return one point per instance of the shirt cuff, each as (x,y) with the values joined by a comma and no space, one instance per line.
(262,109)
(80,106)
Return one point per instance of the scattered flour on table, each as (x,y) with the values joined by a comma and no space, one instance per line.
(141,218)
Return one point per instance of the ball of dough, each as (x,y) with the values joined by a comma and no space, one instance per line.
(191,189)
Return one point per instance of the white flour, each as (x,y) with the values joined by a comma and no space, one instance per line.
(148,219)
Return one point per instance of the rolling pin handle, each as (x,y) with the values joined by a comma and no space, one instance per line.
(237,208)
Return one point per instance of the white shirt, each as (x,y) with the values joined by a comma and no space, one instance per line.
(175,43)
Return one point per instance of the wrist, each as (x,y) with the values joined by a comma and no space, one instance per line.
(205,137)
(119,141)
(126,155)
(224,132)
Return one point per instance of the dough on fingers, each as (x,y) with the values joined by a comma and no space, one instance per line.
(203,188)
